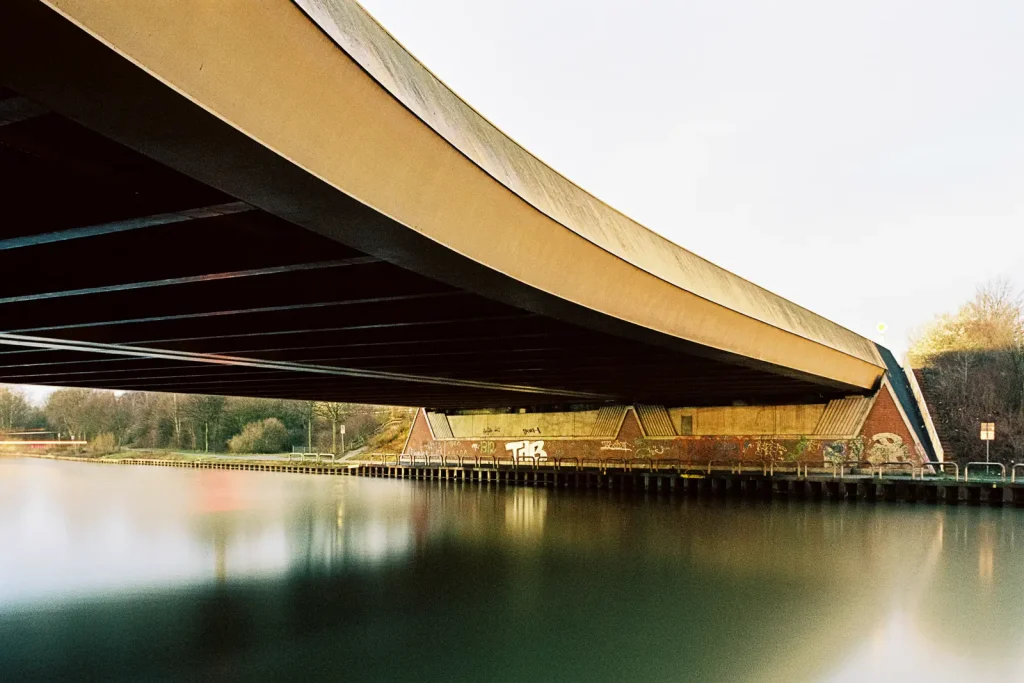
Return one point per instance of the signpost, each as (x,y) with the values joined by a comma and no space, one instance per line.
(342,430)
(988,435)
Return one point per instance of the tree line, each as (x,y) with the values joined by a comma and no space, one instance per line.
(201,423)
(971,363)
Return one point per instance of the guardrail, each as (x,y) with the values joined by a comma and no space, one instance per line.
(667,464)
(765,467)
(817,464)
(641,462)
(608,463)
(302,456)
(987,466)
(1013,472)
(941,467)
(557,463)
(934,471)
(898,464)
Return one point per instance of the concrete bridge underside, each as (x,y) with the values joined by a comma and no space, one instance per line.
(205,197)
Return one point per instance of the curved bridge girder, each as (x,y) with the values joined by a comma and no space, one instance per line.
(363,146)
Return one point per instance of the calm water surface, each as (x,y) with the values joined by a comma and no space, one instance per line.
(133,573)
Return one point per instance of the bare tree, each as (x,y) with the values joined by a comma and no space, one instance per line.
(974,362)
(15,410)
(204,411)
(334,413)
(66,410)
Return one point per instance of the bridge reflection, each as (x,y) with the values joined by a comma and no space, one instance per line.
(184,572)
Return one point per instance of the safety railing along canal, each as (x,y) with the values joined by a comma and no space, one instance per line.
(974,472)
(896,480)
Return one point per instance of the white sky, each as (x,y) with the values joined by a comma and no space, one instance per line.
(864,159)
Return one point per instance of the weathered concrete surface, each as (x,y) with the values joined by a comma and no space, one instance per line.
(369,44)
(275,77)
(882,434)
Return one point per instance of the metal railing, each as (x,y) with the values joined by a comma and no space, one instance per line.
(897,464)
(641,462)
(559,460)
(764,467)
(662,464)
(987,466)
(941,467)
(302,456)
(611,463)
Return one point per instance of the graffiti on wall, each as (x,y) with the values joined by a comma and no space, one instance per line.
(526,449)
(769,450)
(648,449)
(887,447)
(621,446)
(835,451)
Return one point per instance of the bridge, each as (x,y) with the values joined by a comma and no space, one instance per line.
(283,202)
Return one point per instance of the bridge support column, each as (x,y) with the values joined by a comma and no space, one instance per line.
(994,495)
(930,494)
(718,486)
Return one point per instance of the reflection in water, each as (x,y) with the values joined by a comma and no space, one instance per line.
(127,572)
(524,512)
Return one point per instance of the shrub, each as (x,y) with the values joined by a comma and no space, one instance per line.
(103,444)
(266,436)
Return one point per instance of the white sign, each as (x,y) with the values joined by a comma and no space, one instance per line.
(342,429)
(988,431)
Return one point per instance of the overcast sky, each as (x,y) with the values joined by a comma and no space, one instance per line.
(864,159)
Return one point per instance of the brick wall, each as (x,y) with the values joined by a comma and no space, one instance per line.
(885,418)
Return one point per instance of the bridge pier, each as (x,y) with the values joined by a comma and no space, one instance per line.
(973,494)
(994,496)
(1017,496)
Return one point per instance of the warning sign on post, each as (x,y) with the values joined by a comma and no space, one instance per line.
(988,431)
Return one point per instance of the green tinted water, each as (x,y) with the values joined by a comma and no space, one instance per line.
(135,573)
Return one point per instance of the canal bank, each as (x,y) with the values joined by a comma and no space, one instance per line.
(894,482)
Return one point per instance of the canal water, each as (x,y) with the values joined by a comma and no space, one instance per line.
(145,573)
